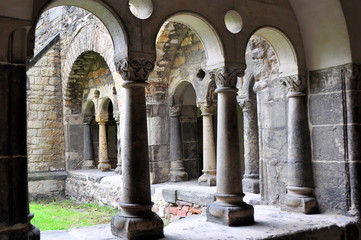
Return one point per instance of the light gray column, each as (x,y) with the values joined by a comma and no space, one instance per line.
(229,208)
(136,220)
(250,180)
(208,177)
(88,144)
(177,172)
(103,165)
(299,197)
(118,169)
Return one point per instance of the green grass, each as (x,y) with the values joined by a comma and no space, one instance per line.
(62,215)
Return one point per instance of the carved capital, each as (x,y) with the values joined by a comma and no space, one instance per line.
(207,108)
(102,118)
(175,110)
(226,77)
(135,69)
(295,83)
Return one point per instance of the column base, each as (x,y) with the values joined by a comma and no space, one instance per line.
(34,232)
(300,200)
(230,210)
(178,175)
(207,179)
(250,185)
(137,227)
(104,166)
(88,164)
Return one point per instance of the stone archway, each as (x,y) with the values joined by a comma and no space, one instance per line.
(283,126)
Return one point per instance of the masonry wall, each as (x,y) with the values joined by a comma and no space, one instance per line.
(334,109)
(45,134)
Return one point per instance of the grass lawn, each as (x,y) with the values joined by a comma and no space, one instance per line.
(62,215)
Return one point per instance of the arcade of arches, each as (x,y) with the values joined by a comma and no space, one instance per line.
(248,96)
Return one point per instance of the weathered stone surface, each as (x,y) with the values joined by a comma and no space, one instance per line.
(328,143)
(331,186)
(93,186)
(326,109)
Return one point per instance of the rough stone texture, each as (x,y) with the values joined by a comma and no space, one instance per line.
(272,115)
(262,65)
(45,128)
(334,114)
(92,186)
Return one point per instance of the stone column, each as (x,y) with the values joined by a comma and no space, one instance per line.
(208,177)
(118,169)
(177,172)
(229,208)
(299,197)
(88,144)
(136,220)
(103,145)
(14,206)
(250,180)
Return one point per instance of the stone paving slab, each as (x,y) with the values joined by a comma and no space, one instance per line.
(270,223)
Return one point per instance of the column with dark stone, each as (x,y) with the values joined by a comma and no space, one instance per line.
(88,162)
(14,206)
(177,172)
(136,220)
(229,208)
(103,165)
(299,197)
(250,180)
(208,177)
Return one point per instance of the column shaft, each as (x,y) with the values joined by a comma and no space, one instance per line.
(299,197)
(136,220)
(229,208)
(177,172)
(14,205)
(251,150)
(119,152)
(209,152)
(103,148)
(88,147)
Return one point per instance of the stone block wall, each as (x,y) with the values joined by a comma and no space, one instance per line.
(45,131)
(334,109)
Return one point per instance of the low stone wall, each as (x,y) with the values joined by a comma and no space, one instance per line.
(170,201)
(46,185)
(103,188)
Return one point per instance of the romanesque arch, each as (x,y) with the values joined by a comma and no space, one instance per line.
(110,19)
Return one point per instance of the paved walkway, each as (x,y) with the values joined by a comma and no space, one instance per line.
(270,223)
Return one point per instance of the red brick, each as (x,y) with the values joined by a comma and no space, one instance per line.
(181,213)
(185,208)
(173,210)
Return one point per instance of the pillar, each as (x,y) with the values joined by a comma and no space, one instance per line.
(208,177)
(103,145)
(14,206)
(299,197)
(177,172)
(250,180)
(88,145)
(229,207)
(118,169)
(136,220)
